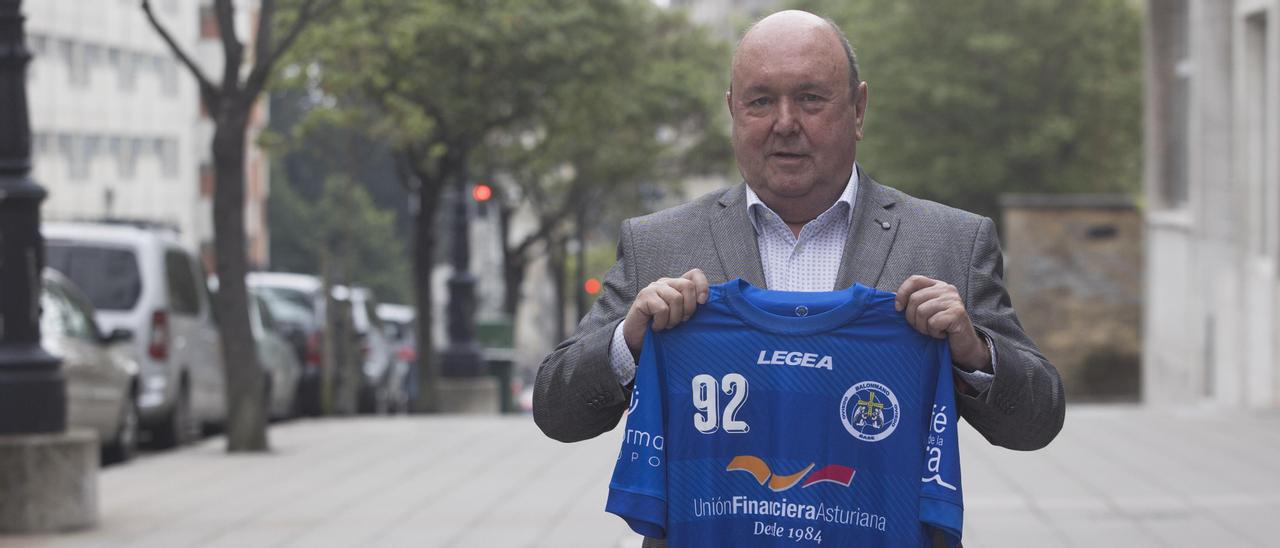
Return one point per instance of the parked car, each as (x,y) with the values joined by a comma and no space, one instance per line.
(277,357)
(101,383)
(140,278)
(400,325)
(296,304)
(373,346)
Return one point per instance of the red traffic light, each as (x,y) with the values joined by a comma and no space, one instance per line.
(592,286)
(482,192)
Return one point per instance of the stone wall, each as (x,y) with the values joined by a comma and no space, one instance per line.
(1073,264)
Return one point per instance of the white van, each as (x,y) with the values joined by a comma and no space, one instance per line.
(140,278)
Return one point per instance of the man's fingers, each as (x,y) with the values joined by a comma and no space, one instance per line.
(673,307)
(701,286)
(667,302)
(914,301)
(655,309)
(924,304)
(941,323)
(908,287)
(689,292)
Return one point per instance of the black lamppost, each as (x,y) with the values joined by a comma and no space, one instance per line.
(32,391)
(462,357)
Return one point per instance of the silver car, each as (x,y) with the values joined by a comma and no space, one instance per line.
(101,383)
(296,303)
(140,278)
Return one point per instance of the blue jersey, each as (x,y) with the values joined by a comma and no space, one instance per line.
(776,418)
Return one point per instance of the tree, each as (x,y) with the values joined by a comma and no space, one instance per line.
(343,218)
(652,116)
(973,99)
(438,79)
(229,104)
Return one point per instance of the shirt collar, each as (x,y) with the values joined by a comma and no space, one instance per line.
(850,194)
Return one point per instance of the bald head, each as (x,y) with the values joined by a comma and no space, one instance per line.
(787,25)
(797,109)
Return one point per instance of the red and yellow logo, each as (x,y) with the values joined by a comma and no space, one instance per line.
(759,470)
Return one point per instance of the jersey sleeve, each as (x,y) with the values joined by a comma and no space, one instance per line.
(638,490)
(941,497)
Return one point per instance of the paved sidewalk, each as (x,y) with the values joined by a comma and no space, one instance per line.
(1117,476)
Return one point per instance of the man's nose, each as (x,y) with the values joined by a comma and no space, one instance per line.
(786,122)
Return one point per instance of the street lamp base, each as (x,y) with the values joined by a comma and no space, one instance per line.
(33,398)
(462,361)
(48,482)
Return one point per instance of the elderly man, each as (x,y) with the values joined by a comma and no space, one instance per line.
(806,219)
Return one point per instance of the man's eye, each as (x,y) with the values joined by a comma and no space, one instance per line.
(808,98)
(759,102)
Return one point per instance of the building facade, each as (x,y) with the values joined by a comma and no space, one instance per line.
(1212,130)
(113,114)
(118,130)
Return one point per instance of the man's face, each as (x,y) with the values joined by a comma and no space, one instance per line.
(795,122)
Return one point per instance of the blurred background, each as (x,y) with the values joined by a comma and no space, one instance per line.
(262,216)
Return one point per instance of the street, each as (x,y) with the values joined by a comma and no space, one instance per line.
(1197,477)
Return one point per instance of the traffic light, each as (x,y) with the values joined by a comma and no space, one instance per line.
(482,194)
(592,286)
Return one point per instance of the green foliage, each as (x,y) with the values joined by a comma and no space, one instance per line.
(650,113)
(345,225)
(972,99)
(577,101)
(436,77)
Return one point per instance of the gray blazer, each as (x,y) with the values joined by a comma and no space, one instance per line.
(577,395)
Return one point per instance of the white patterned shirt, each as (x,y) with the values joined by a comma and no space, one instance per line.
(808,262)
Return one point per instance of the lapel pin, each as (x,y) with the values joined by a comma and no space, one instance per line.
(884,224)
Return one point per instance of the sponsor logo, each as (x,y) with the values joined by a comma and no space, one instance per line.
(795,359)
(933,452)
(869,411)
(642,446)
(759,470)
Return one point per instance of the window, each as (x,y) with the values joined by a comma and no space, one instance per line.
(80,322)
(206,180)
(169,157)
(109,277)
(126,150)
(208,23)
(75,56)
(127,70)
(183,296)
(53,313)
(168,72)
(75,148)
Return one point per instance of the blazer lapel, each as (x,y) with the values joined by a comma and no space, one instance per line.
(735,238)
(871,233)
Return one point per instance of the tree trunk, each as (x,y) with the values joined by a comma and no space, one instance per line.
(246,413)
(513,277)
(512,262)
(580,267)
(348,370)
(556,255)
(424,246)
(329,348)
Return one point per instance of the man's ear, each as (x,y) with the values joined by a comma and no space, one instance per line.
(728,100)
(860,110)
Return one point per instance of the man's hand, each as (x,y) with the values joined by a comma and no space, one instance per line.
(934,308)
(666,302)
